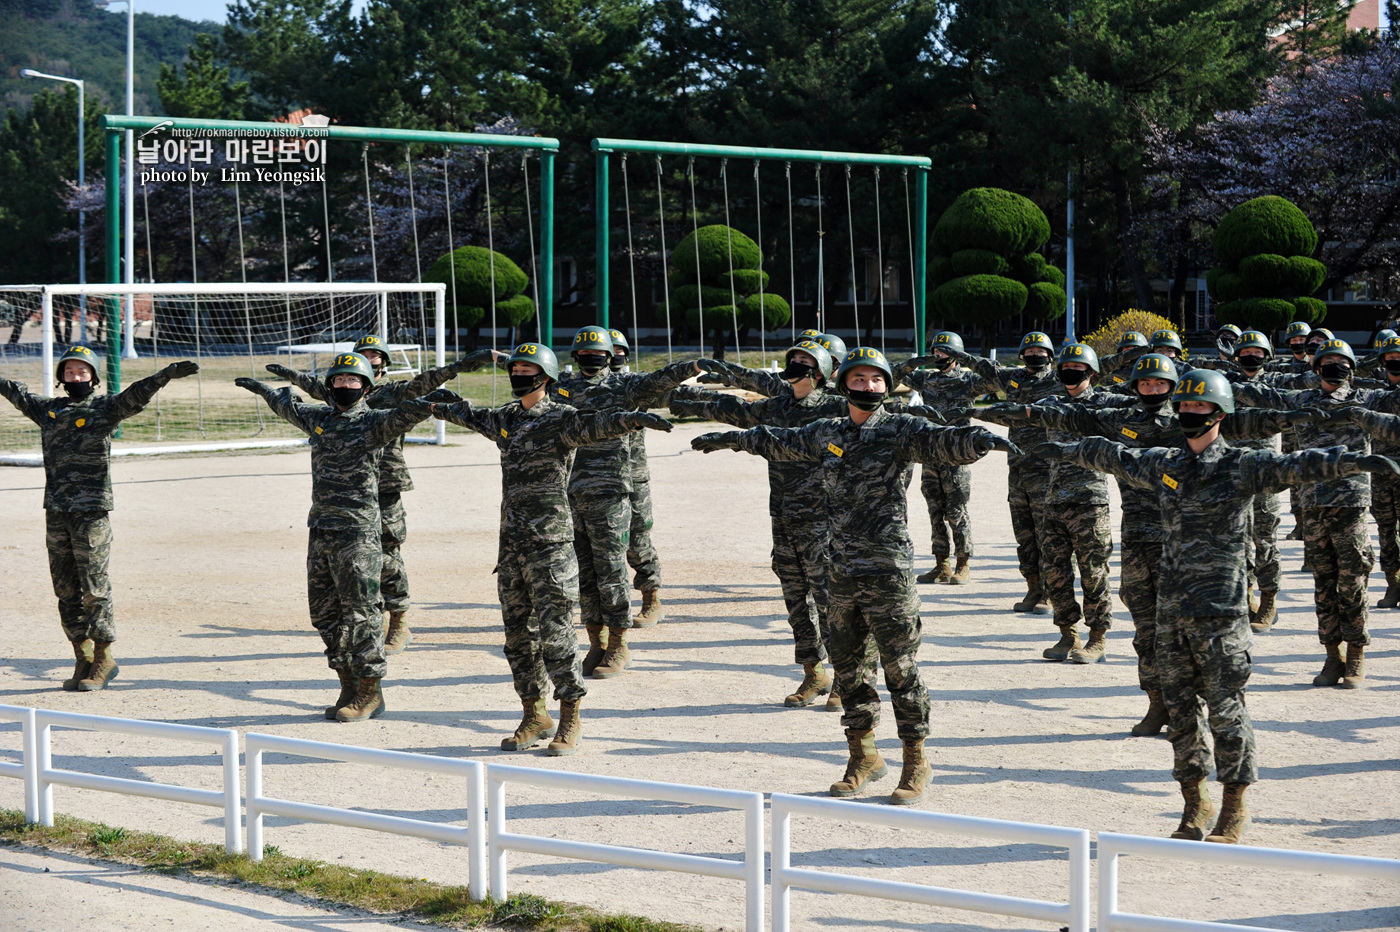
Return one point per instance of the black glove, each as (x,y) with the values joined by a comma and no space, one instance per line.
(720,440)
(711,378)
(252,385)
(179,370)
(1048,451)
(1374,462)
(927,413)
(1227,347)
(1005,409)
(443,396)
(714,366)
(987,442)
(281,372)
(638,420)
(920,362)
(684,407)
(474,360)
(1307,415)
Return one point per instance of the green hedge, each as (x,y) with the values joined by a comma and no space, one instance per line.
(994,219)
(775,311)
(1311,310)
(1027,269)
(1266,273)
(1305,274)
(1266,314)
(1267,224)
(690,296)
(746,281)
(1053,275)
(715,242)
(979,262)
(979,297)
(472,265)
(1045,301)
(1225,285)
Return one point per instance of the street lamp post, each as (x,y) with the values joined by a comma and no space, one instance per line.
(82,214)
(129,225)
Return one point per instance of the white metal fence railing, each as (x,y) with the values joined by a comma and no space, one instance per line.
(226,739)
(749,870)
(1074,913)
(1113,846)
(472,836)
(28,767)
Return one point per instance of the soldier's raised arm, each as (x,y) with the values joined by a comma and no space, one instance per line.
(781,444)
(133,399)
(284,403)
(30,405)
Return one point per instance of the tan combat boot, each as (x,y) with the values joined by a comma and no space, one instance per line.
(1094,650)
(960,574)
(1355,675)
(398,636)
(833,699)
(1156,717)
(939,573)
(349,686)
(1252,599)
(566,740)
(1234,816)
(1069,640)
(865,764)
(617,656)
(535,725)
(82,651)
(104,668)
(597,646)
(815,682)
(1391,599)
(1196,816)
(367,704)
(1333,669)
(1263,618)
(914,777)
(651,612)
(1034,601)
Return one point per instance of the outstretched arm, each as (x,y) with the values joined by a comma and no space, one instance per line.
(646,391)
(284,403)
(17,393)
(429,379)
(953,446)
(302,381)
(1266,471)
(134,398)
(1142,468)
(463,413)
(778,444)
(1376,423)
(726,409)
(1263,396)
(584,428)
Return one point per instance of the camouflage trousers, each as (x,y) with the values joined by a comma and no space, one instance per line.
(1263,542)
(1338,548)
(538,588)
(80,547)
(947,490)
(1385,508)
(1205,664)
(393,531)
(1025,493)
(641,554)
(342,588)
(1077,532)
(800,563)
(602,527)
(1139,567)
(877,618)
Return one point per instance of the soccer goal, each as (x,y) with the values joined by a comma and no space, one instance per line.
(231,330)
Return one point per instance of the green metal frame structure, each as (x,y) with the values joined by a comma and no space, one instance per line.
(603,148)
(113,126)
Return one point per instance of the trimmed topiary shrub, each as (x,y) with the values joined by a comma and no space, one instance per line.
(774,309)
(1029,269)
(1267,273)
(993,219)
(979,262)
(473,268)
(1045,300)
(940,270)
(715,242)
(746,281)
(989,297)
(723,287)
(1054,276)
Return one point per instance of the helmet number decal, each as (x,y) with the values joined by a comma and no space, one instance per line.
(348,359)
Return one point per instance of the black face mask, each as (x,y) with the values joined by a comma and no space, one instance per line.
(942,363)
(1298,349)
(346,397)
(1153,402)
(617,363)
(78,390)
(1195,425)
(1392,366)
(1251,364)
(796,371)
(1073,376)
(866,401)
(1335,372)
(591,363)
(1036,362)
(522,385)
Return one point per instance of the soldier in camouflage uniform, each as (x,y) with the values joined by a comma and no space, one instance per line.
(394,479)
(600,488)
(1385,491)
(866,460)
(763,382)
(1203,639)
(641,553)
(1333,515)
(1121,375)
(344,553)
(76,435)
(537,571)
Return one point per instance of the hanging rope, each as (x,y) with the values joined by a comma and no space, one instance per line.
(851,233)
(286,262)
(762,308)
(821,259)
(913,286)
(631,252)
(729,239)
(880,258)
(155,331)
(451,255)
(247,312)
(491,262)
(194,279)
(665,263)
(792,253)
(534,260)
(695,228)
(330,267)
(417,259)
(369,206)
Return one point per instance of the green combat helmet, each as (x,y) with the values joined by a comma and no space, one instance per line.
(592,339)
(82,354)
(1299,328)
(1389,345)
(1130,340)
(864,356)
(372,343)
(1079,352)
(1333,348)
(1381,337)
(1153,366)
(351,364)
(1231,329)
(1253,339)
(538,354)
(946,340)
(1166,339)
(809,335)
(1204,385)
(834,345)
(825,364)
(1042,340)
(619,340)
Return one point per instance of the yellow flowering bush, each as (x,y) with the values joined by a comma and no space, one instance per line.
(1105,339)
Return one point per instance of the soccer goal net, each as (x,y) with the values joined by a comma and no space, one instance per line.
(231,331)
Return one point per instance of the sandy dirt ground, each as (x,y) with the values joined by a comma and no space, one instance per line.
(210,595)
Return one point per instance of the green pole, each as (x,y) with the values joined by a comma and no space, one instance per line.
(600,232)
(920,257)
(112,143)
(545,287)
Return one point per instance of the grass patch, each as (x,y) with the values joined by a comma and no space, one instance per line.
(442,904)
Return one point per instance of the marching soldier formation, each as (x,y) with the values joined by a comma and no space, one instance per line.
(1193,447)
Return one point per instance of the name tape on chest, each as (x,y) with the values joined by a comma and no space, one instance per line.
(319,431)
(1130,434)
(564,392)
(1169,482)
(503,432)
(1015,384)
(835,449)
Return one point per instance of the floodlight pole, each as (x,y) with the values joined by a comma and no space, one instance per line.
(600,232)
(112,146)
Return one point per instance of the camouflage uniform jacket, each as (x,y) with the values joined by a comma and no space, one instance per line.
(346,447)
(393,469)
(1387,402)
(1021,386)
(1354,489)
(759,381)
(76,437)
(606,467)
(865,471)
(537,447)
(1205,501)
(1068,483)
(952,389)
